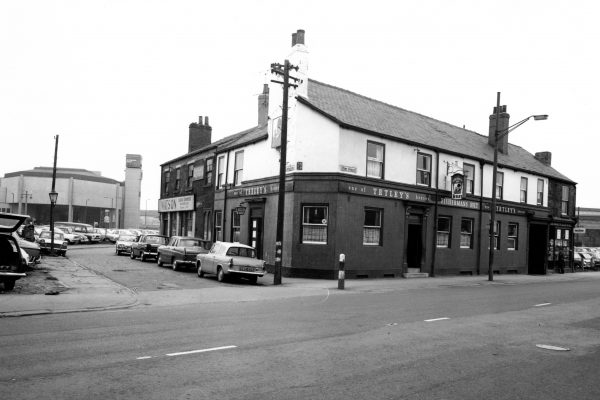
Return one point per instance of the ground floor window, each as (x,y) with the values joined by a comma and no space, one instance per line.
(186,223)
(314,224)
(206,229)
(513,236)
(372,227)
(235,226)
(443,232)
(218,226)
(466,233)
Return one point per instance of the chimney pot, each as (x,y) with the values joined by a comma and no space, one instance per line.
(199,135)
(300,36)
(206,121)
(294,39)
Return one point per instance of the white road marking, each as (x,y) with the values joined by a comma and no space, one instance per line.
(326,297)
(436,319)
(542,304)
(200,351)
(143,358)
(549,347)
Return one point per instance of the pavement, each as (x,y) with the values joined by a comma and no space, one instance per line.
(81,289)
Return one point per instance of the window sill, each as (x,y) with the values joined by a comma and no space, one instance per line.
(317,243)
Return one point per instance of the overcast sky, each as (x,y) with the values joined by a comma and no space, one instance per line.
(129,76)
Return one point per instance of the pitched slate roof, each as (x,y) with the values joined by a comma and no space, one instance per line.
(361,113)
(227,143)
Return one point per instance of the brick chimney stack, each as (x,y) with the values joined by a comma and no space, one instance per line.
(545,157)
(263,106)
(502,128)
(200,134)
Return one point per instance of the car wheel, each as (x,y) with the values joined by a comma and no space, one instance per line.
(158,260)
(131,255)
(117,252)
(253,279)
(142,256)
(220,275)
(200,272)
(9,285)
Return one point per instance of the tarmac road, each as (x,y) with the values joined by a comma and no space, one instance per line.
(461,338)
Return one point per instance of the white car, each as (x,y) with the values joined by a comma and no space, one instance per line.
(70,236)
(230,259)
(123,243)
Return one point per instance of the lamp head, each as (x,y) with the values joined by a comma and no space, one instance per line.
(53,197)
(540,117)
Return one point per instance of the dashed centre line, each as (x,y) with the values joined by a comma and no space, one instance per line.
(182,353)
(436,319)
(199,351)
(542,304)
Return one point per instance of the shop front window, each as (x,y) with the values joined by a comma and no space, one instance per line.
(443,232)
(314,224)
(372,227)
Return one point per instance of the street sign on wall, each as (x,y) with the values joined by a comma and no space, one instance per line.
(578,230)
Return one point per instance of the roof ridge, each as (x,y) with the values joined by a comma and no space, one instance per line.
(391,105)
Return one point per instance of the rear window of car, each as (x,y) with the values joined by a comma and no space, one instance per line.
(241,252)
(156,240)
(189,243)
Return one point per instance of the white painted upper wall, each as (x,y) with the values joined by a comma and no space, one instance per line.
(321,145)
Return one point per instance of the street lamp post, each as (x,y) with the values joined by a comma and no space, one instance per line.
(53,196)
(111,208)
(146,215)
(499,134)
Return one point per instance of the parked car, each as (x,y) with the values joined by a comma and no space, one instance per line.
(147,246)
(31,248)
(231,259)
(101,232)
(123,243)
(113,234)
(60,244)
(587,259)
(84,229)
(11,264)
(70,236)
(181,251)
(577,261)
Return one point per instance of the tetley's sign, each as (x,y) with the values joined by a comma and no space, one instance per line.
(386,193)
(183,203)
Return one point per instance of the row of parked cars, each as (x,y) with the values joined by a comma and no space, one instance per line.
(587,258)
(222,259)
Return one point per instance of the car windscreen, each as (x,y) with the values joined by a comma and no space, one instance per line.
(46,235)
(127,238)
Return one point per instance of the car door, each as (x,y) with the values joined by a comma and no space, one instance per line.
(209,260)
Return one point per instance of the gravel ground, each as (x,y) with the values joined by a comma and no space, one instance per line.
(37,281)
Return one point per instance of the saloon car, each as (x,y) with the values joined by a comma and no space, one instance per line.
(231,259)
(46,245)
(181,251)
(123,243)
(11,263)
(147,246)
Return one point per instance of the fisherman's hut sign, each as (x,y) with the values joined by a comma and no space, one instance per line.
(457,185)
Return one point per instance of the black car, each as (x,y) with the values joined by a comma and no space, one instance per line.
(11,265)
(147,246)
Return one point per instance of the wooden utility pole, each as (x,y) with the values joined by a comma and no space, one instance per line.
(282,70)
